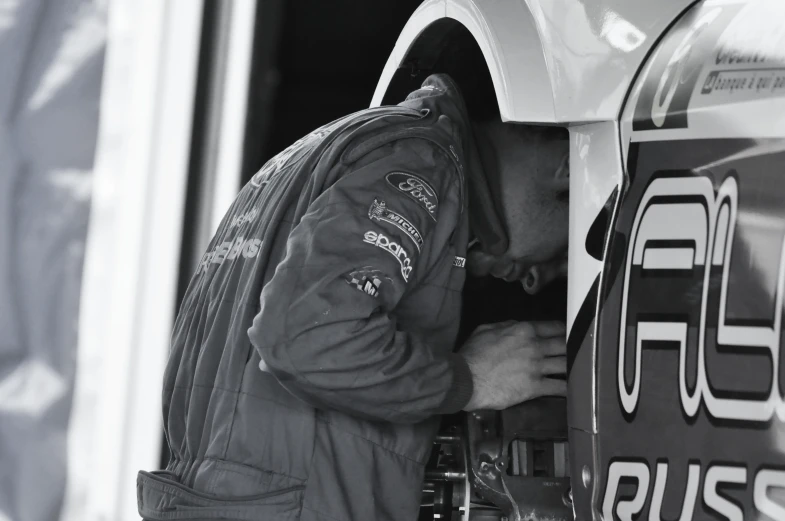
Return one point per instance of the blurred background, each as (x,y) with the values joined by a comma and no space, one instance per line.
(126,129)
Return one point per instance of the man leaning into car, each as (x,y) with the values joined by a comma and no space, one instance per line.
(315,347)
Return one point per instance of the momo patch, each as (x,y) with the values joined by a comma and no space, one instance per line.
(367,280)
(379,212)
(418,189)
(393,248)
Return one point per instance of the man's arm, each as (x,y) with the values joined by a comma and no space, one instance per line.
(325,329)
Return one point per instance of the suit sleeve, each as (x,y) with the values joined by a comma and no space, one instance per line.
(326,327)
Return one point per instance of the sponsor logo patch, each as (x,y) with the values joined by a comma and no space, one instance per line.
(379,212)
(367,280)
(459,262)
(247,248)
(274,165)
(244,218)
(417,188)
(393,248)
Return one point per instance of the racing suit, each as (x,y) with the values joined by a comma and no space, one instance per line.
(314,347)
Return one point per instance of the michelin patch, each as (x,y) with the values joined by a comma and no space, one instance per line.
(379,212)
(393,248)
(367,280)
(418,189)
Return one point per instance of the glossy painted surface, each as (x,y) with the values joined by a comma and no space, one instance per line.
(509,49)
(552,61)
(594,49)
(509,37)
(596,175)
(596,180)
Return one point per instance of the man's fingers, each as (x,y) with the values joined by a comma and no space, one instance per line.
(483,327)
(507,323)
(550,328)
(554,365)
(553,387)
(553,346)
(494,325)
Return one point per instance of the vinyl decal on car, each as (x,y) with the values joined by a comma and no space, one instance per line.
(691,334)
(674,72)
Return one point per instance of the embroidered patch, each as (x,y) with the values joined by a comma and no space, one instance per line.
(393,248)
(418,189)
(459,262)
(367,280)
(230,250)
(379,212)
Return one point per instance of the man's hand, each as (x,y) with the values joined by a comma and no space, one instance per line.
(510,362)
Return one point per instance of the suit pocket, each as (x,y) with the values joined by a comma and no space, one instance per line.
(162,498)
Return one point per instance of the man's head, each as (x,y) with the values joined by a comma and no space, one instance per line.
(528,170)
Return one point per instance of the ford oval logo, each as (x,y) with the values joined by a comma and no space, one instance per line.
(416,188)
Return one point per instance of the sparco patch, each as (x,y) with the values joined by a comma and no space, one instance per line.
(379,212)
(393,248)
(418,189)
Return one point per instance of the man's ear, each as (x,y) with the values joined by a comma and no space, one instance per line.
(561,177)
